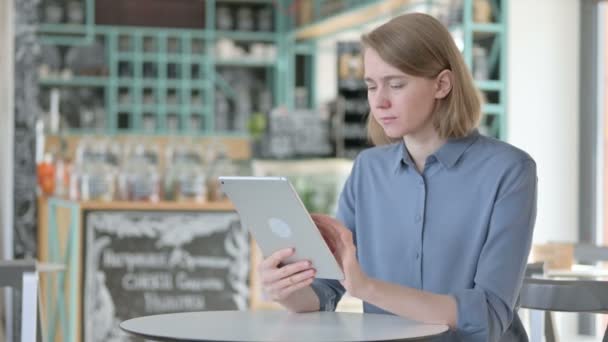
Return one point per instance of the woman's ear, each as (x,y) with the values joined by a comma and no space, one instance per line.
(443,83)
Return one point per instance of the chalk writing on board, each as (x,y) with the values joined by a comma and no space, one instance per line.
(143,263)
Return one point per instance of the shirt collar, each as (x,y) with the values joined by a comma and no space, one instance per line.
(402,156)
(448,154)
(453,149)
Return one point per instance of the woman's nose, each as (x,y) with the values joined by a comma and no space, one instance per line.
(381,101)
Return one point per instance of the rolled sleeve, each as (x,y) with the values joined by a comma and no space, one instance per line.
(481,315)
(485,312)
(329,292)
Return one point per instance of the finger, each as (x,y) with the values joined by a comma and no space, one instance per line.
(285,292)
(321,218)
(273,275)
(329,240)
(339,234)
(326,227)
(338,237)
(291,280)
(345,236)
(275,258)
(331,246)
(332,225)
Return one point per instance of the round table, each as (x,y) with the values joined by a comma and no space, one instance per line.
(280,326)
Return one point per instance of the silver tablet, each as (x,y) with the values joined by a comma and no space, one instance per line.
(272,211)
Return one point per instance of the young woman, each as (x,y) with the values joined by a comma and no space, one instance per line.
(434,223)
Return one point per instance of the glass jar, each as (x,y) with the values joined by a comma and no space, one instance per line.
(191,185)
(97,183)
(140,178)
(94,177)
(244,19)
(224,20)
(265,20)
(186,179)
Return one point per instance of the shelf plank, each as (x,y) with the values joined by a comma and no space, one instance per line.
(489,85)
(76,81)
(493,109)
(148,82)
(153,108)
(245,62)
(163,205)
(151,31)
(171,83)
(487,27)
(350,19)
(247,36)
(149,57)
(248,2)
(63,28)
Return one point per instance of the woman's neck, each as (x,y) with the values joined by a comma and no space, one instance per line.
(421,145)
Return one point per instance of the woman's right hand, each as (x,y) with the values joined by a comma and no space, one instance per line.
(279,281)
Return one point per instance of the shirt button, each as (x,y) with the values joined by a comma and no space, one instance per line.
(417,255)
(421,182)
(418,218)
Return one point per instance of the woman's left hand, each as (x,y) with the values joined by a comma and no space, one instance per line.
(340,241)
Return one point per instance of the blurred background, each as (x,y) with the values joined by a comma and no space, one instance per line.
(117,117)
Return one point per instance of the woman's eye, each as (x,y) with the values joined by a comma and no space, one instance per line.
(396,86)
(371,88)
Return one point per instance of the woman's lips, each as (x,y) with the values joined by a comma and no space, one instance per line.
(388,119)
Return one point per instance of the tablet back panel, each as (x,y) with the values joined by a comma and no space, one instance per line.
(271,210)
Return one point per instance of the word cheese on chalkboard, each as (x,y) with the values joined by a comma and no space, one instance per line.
(146,263)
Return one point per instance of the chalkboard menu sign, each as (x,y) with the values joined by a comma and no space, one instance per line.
(142,263)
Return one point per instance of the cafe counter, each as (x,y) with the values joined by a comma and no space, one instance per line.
(130,259)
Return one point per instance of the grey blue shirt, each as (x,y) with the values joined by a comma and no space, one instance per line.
(462,227)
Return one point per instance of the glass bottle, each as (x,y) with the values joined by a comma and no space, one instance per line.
(45,171)
(62,172)
(221,165)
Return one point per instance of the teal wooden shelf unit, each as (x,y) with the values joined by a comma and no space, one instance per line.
(168,78)
(165,78)
(490,36)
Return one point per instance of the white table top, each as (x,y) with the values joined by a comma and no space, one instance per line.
(279,326)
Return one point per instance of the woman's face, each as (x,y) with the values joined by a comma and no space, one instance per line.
(402,104)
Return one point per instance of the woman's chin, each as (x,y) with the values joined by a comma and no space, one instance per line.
(393,134)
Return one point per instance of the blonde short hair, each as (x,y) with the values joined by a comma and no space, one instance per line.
(419,45)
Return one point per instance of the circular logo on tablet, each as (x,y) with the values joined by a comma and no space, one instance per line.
(279,227)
